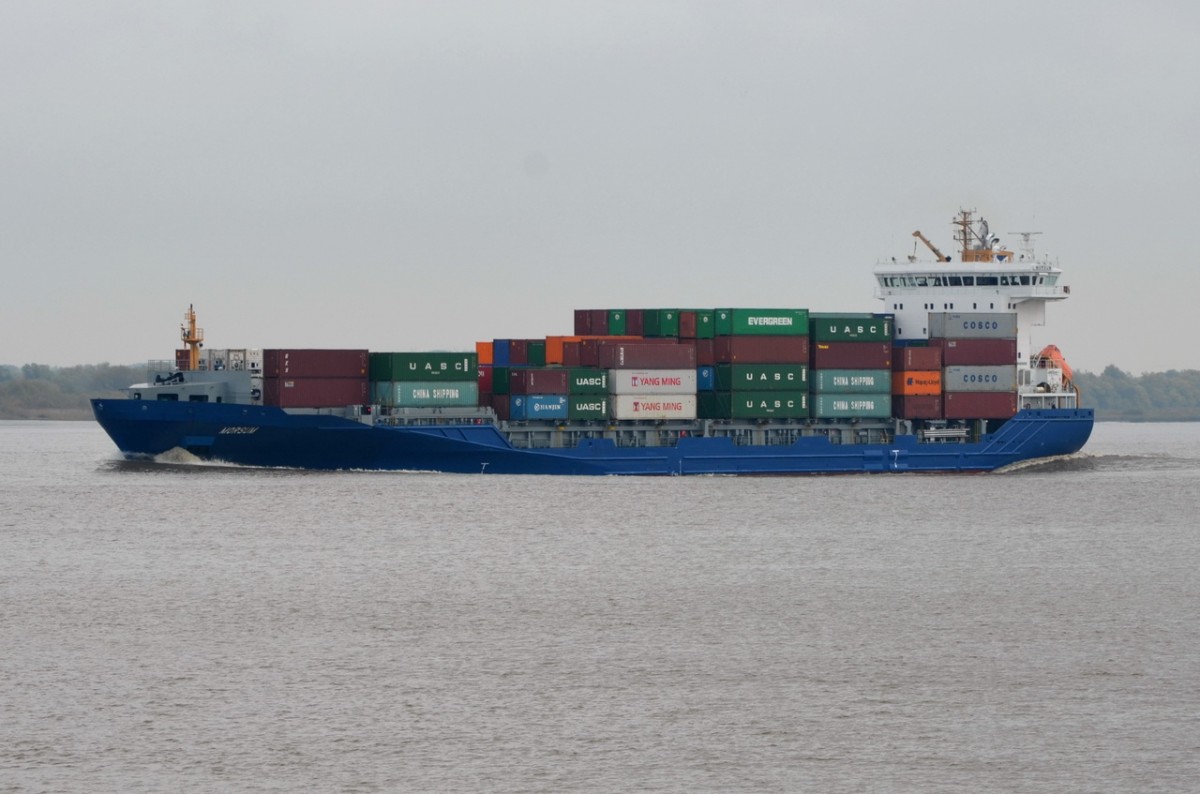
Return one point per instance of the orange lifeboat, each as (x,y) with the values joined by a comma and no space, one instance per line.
(1052,356)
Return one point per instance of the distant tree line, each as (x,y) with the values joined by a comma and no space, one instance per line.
(37,391)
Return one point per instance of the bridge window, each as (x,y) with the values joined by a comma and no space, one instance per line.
(956,281)
(986,281)
(197,398)
(170,398)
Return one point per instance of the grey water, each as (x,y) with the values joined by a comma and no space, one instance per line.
(178,627)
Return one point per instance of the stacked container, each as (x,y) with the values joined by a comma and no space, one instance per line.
(917,382)
(425,379)
(760,365)
(650,381)
(311,378)
(851,365)
(979,360)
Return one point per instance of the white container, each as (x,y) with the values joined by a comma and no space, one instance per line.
(1000,378)
(981,325)
(652,381)
(653,406)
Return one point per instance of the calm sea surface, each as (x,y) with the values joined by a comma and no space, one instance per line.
(173,627)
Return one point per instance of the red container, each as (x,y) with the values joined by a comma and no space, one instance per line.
(571,354)
(589,349)
(518,351)
(183,359)
(852,355)
(500,404)
(980,404)
(635,321)
(760,350)
(590,322)
(314,392)
(538,381)
(976,352)
(660,354)
(687,325)
(485,378)
(310,363)
(705,352)
(920,359)
(925,406)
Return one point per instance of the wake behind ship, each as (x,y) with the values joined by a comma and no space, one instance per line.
(945,379)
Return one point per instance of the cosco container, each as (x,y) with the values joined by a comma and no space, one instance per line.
(660,322)
(430,394)
(753,405)
(524,407)
(852,406)
(761,377)
(587,406)
(652,406)
(917,382)
(917,406)
(979,405)
(623,355)
(538,381)
(852,381)
(762,322)
(993,379)
(314,392)
(587,381)
(423,366)
(918,358)
(849,328)
(652,381)
(761,350)
(852,355)
(976,352)
(981,325)
(311,363)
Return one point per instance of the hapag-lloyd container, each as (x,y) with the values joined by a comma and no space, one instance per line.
(981,325)
(824,327)
(979,405)
(761,322)
(314,392)
(314,363)
(624,355)
(652,381)
(923,359)
(761,377)
(652,406)
(423,366)
(852,381)
(846,406)
(539,381)
(852,355)
(976,352)
(430,394)
(983,379)
(753,405)
(917,406)
(917,383)
(523,407)
(760,349)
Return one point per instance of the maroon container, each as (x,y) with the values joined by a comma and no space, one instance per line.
(635,322)
(518,351)
(311,363)
(583,322)
(705,355)
(183,359)
(980,404)
(687,325)
(645,355)
(976,352)
(852,355)
(500,404)
(916,359)
(917,406)
(485,378)
(314,392)
(571,354)
(538,381)
(760,350)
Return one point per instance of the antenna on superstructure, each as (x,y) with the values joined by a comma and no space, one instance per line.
(193,337)
(1026,243)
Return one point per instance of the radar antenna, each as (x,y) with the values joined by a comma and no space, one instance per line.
(1026,243)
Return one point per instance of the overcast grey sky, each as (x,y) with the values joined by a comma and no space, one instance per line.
(404,175)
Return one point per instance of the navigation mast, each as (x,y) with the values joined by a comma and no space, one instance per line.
(193,337)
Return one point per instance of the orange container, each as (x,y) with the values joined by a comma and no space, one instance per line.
(484,351)
(554,348)
(917,383)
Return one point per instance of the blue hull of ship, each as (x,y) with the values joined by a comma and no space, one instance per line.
(263,436)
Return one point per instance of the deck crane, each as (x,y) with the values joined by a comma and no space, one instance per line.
(940,256)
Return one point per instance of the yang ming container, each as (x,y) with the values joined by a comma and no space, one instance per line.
(761,322)
(652,381)
(825,327)
(982,325)
(852,381)
(990,379)
(653,407)
(761,377)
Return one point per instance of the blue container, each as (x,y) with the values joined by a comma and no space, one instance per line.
(500,355)
(706,378)
(523,407)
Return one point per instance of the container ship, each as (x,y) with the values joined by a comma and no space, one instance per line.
(947,378)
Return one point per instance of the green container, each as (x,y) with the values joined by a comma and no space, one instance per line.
(706,323)
(616,322)
(761,322)
(500,380)
(587,381)
(752,405)
(587,406)
(824,327)
(537,352)
(429,394)
(422,366)
(851,381)
(660,322)
(761,377)
(852,406)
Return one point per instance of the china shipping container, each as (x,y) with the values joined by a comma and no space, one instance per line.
(423,366)
(852,381)
(917,406)
(523,407)
(917,382)
(976,352)
(985,379)
(852,355)
(428,394)
(625,355)
(652,381)
(924,359)
(981,325)
(314,363)
(753,405)
(761,377)
(312,392)
(538,381)
(587,380)
(852,406)
(587,406)
(979,405)
(652,406)
(761,349)
(761,322)
(825,327)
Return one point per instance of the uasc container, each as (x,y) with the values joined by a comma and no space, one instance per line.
(423,366)
(753,405)
(586,380)
(825,327)
(587,406)
(761,377)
